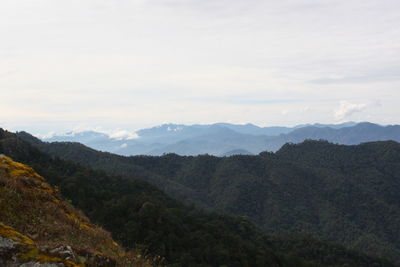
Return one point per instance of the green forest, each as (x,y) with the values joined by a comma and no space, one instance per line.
(139,214)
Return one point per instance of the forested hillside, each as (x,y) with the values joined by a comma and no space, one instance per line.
(139,215)
(345,194)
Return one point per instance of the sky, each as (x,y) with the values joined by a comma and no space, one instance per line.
(131,64)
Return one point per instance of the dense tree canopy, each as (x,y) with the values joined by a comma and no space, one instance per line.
(138,214)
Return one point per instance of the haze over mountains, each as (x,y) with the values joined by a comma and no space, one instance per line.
(224,139)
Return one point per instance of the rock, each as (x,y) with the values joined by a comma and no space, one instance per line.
(18,250)
(6,244)
(64,252)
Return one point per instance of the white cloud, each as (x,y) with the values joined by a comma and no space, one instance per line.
(122,135)
(113,134)
(46,135)
(116,134)
(347,109)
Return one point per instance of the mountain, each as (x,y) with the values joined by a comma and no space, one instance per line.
(344,194)
(362,132)
(181,131)
(53,230)
(165,138)
(216,141)
(225,139)
(81,137)
(220,138)
(352,135)
(139,215)
(277,130)
(334,126)
(236,152)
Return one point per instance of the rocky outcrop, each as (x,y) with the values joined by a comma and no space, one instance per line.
(17,249)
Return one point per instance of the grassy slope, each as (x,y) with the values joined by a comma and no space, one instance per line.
(33,207)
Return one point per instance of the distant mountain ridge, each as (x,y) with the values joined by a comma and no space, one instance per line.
(222,138)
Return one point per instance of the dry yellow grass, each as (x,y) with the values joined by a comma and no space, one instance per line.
(33,207)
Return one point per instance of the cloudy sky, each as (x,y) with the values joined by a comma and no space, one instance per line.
(130,64)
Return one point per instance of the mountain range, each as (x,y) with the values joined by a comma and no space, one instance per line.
(340,193)
(224,139)
(142,217)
